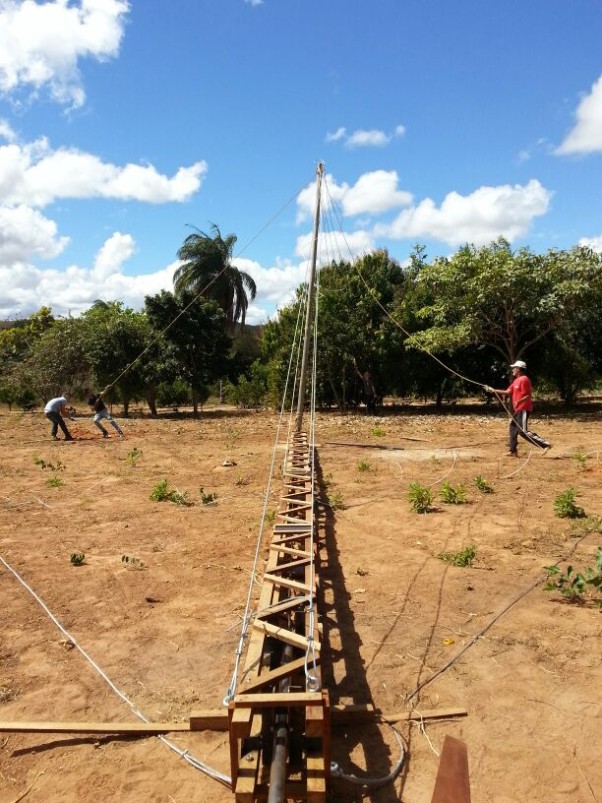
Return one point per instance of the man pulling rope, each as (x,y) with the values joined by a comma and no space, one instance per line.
(520,391)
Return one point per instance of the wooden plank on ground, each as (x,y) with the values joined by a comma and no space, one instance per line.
(95,727)
(362,712)
(209,720)
(453,783)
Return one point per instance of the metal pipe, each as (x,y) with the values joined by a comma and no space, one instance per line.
(277,790)
(310,300)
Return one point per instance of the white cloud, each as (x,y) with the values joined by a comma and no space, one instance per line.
(24,232)
(35,175)
(373,193)
(115,251)
(586,136)
(479,218)
(335,136)
(276,285)
(337,245)
(41,43)
(254,3)
(365,138)
(6,131)
(73,289)
(595,243)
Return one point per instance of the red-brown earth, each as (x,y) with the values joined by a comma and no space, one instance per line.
(164,625)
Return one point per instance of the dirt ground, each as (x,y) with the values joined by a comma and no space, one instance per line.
(164,625)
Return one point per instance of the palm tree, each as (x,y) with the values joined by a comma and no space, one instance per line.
(207,268)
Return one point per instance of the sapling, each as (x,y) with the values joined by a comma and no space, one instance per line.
(565,506)
(420,498)
(483,486)
(206,499)
(453,495)
(462,558)
(132,561)
(574,585)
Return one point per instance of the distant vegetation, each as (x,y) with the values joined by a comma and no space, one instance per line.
(476,311)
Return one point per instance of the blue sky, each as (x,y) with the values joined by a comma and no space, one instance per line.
(439,121)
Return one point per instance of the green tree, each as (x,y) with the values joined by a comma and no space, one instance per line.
(119,347)
(193,337)
(57,362)
(207,268)
(354,322)
(504,299)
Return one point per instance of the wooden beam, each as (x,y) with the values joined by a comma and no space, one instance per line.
(209,720)
(284,581)
(347,714)
(291,564)
(284,635)
(275,675)
(218,720)
(279,607)
(285,539)
(287,550)
(139,728)
(278,699)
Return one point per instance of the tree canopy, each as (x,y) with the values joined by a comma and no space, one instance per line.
(207,268)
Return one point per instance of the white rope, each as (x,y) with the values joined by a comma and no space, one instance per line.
(215,774)
(311,676)
(447,473)
(247,618)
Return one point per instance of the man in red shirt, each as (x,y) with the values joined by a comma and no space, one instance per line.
(522,405)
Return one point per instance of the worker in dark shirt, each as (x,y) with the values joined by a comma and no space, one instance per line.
(100,412)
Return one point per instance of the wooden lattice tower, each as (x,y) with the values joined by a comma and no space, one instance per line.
(279,726)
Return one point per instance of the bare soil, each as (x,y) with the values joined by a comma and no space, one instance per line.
(164,624)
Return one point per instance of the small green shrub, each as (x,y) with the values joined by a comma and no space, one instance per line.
(162,493)
(132,561)
(133,456)
(363,465)
(335,500)
(453,495)
(54,482)
(270,517)
(464,557)
(580,457)
(206,499)
(378,432)
(575,586)
(565,506)
(242,480)
(77,558)
(483,486)
(420,498)
(56,467)
(233,436)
